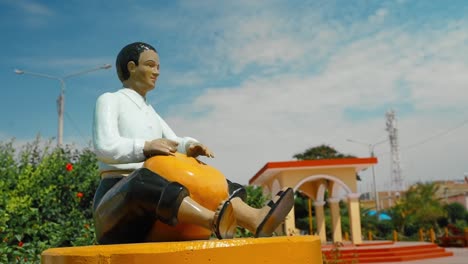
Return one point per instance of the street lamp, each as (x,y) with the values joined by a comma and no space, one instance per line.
(371,151)
(61,97)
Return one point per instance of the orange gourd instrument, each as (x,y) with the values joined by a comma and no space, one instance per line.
(206,185)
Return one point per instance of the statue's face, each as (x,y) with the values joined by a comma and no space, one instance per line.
(144,75)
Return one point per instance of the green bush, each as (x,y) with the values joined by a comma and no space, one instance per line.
(45,199)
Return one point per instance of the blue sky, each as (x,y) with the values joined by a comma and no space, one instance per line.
(256,81)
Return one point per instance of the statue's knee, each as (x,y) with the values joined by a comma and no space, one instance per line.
(170,201)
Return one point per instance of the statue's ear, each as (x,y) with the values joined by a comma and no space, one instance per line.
(131,66)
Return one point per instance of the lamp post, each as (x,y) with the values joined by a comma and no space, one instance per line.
(61,97)
(371,151)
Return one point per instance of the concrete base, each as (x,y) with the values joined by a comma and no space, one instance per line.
(293,249)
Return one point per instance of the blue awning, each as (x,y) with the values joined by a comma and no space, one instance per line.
(381,216)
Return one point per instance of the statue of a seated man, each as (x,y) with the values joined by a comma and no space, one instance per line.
(133,199)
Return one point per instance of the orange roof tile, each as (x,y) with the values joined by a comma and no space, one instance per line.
(358,163)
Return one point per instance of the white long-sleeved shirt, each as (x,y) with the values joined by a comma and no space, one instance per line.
(123,121)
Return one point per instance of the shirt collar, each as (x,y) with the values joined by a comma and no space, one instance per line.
(139,100)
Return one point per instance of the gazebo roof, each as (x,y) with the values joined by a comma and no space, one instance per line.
(272,168)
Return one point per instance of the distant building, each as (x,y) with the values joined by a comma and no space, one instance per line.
(453,191)
(448,192)
(387,199)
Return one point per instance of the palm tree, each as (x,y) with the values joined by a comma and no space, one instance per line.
(418,207)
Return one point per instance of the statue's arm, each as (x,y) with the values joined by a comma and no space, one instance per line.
(110,146)
(184,142)
(187,145)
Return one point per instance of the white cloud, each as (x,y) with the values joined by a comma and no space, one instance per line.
(31,7)
(33,14)
(272,117)
(269,39)
(184,79)
(378,16)
(34,8)
(439,85)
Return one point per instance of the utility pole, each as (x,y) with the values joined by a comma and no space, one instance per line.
(372,154)
(61,97)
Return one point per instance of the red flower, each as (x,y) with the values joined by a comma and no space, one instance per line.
(79,194)
(69,167)
(20,244)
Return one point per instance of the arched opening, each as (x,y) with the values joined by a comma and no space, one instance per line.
(320,192)
(337,191)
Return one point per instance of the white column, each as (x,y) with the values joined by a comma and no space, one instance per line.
(354,218)
(290,224)
(320,218)
(335,219)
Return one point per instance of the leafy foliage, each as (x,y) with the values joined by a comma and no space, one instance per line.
(301,211)
(455,211)
(46,196)
(419,207)
(380,229)
(321,152)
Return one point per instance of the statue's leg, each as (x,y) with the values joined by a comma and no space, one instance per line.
(222,222)
(263,222)
(127,211)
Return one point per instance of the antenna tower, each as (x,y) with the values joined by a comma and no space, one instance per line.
(397,178)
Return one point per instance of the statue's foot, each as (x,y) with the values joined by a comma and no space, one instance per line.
(224,223)
(279,208)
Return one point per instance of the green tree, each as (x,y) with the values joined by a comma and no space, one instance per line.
(418,208)
(321,152)
(255,197)
(455,211)
(426,207)
(301,211)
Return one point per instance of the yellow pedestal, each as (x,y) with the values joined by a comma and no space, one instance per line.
(294,249)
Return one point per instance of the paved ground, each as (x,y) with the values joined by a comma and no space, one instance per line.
(460,256)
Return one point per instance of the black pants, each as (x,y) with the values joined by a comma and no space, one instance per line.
(126,208)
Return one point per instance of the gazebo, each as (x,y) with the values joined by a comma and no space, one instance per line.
(313,178)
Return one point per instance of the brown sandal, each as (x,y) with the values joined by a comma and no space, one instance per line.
(279,210)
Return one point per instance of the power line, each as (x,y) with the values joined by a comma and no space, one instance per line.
(443,133)
(77,129)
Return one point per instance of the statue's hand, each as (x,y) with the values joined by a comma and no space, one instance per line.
(161,146)
(196,149)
